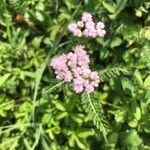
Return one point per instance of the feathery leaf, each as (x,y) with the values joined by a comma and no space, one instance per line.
(17,6)
(93,109)
(113,72)
(54,85)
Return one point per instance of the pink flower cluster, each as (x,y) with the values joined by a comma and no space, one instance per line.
(74,67)
(87,27)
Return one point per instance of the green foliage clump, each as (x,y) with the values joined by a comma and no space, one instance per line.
(38,112)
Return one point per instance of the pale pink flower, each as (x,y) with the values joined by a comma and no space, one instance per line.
(86,17)
(95,83)
(72,60)
(93,33)
(68,77)
(72,27)
(100,25)
(90,29)
(89,88)
(74,67)
(86,32)
(77,33)
(80,24)
(79,69)
(59,77)
(79,48)
(101,33)
(78,88)
(78,81)
(86,73)
(90,25)
(86,82)
(94,75)
(90,33)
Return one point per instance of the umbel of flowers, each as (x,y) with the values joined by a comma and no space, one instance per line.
(74,67)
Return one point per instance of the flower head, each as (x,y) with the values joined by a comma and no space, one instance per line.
(80,24)
(86,17)
(74,67)
(100,25)
(72,27)
(87,27)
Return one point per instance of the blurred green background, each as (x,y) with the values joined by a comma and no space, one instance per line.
(31,33)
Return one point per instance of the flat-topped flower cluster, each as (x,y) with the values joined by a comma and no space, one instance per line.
(74,67)
(86,27)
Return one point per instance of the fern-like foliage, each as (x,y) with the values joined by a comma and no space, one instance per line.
(54,85)
(93,109)
(17,6)
(113,72)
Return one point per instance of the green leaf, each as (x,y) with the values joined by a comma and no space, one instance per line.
(85,133)
(54,31)
(113,138)
(132,121)
(59,105)
(4,78)
(138,76)
(136,110)
(77,118)
(39,16)
(37,41)
(54,86)
(71,3)
(61,115)
(116,41)
(120,115)
(147,82)
(128,87)
(120,4)
(104,53)
(28,74)
(80,144)
(109,7)
(64,16)
(93,109)
(113,72)
(147,97)
(72,140)
(138,13)
(130,138)
(9,141)
(40,6)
